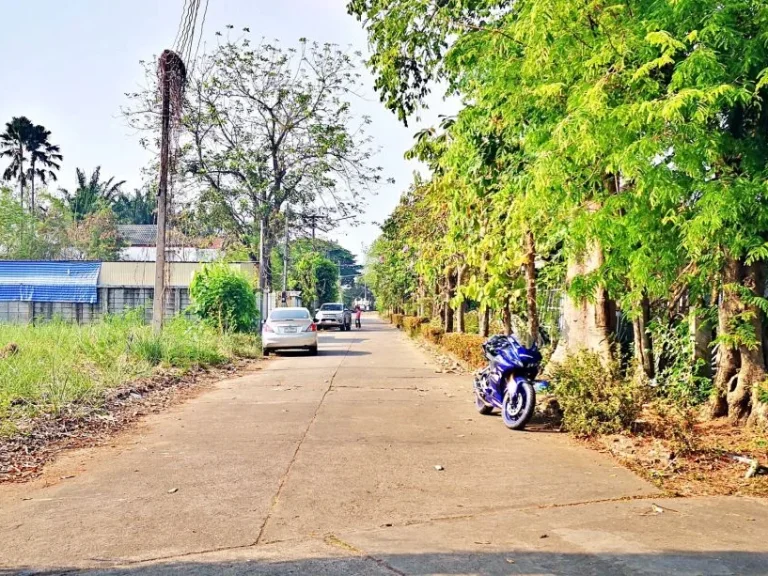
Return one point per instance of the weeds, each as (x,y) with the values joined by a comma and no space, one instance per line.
(57,363)
(592,396)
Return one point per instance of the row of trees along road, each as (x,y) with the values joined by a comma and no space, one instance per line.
(618,149)
(265,128)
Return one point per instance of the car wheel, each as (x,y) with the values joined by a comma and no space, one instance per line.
(266,352)
(313,350)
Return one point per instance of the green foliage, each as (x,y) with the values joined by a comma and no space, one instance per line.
(91,196)
(24,236)
(316,277)
(139,208)
(630,138)
(594,398)
(678,376)
(224,298)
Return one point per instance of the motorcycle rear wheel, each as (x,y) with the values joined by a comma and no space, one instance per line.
(517,410)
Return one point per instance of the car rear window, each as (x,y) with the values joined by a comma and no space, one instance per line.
(289,315)
(332,307)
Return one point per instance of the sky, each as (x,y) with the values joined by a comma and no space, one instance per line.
(69,64)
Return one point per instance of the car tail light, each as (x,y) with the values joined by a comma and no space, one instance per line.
(268,328)
(311,328)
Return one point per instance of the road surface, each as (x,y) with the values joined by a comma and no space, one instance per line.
(326,465)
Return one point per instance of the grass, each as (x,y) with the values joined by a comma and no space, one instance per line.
(59,364)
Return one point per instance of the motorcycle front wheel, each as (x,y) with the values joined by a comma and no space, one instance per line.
(517,410)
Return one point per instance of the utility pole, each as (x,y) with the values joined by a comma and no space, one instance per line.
(158,302)
(285,251)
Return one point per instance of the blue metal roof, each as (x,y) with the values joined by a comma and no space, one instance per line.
(42,281)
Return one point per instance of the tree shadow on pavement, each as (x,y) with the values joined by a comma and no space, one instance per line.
(715,562)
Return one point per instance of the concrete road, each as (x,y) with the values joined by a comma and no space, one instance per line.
(326,465)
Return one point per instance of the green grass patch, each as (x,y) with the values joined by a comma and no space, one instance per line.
(56,364)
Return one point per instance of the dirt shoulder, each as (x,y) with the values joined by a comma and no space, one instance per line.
(39,440)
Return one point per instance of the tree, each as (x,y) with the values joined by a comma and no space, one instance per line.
(91,195)
(44,159)
(627,142)
(316,277)
(94,236)
(267,127)
(139,208)
(23,236)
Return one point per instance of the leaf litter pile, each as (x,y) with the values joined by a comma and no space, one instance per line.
(725,460)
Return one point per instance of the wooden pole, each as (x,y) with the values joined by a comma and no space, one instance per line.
(158,303)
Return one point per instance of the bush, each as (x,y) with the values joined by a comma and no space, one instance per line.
(223,297)
(593,398)
(466,347)
(397,320)
(432,333)
(411,325)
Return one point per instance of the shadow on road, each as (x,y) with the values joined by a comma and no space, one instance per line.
(455,564)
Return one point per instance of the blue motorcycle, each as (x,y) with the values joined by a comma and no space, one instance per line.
(507,382)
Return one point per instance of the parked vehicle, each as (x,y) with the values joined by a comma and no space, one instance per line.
(334,315)
(288,328)
(507,383)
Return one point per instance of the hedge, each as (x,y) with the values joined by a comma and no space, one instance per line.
(466,347)
(431,333)
(411,324)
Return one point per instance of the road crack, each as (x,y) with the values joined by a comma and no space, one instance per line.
(284,477)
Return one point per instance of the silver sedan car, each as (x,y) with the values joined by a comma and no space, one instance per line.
(289,328)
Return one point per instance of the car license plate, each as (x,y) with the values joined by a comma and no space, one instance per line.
(290,329)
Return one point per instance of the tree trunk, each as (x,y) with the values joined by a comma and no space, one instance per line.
(32,187)
(643,342)
(752,371)
(22,177)
(506,317)
(580,318)
(485,321)
(450,281)
(462,308)
(530,278)
(602,313)
(728,357)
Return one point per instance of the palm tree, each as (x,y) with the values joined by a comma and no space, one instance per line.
(13,145)
(43,158)
(90,194)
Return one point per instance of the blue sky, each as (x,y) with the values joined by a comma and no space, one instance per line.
(68,64)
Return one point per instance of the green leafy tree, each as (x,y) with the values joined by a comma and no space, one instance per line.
(23,236)
(95,237)
(268,127)
(316,277)
(224,298)
(626,141)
